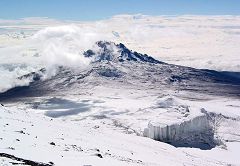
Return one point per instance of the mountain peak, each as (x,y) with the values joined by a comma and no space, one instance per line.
(109,51)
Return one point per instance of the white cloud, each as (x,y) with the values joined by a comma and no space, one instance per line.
(64,45)
(197,41)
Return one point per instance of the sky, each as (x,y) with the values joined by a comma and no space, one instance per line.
(103,9)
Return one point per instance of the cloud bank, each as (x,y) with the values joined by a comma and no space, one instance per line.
(48,48)
(198,41)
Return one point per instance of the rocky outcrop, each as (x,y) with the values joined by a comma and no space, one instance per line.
(109,51)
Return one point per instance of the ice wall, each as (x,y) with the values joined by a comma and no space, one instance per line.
(190,132)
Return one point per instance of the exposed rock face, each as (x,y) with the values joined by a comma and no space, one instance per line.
(109,51)
(196,132)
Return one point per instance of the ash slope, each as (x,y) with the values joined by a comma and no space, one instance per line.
(114,65)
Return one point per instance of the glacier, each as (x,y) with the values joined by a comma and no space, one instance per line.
(195,132)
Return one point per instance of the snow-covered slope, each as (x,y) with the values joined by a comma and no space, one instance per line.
(29,135)
(105,127)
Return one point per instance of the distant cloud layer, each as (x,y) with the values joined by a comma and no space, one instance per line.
(198,41)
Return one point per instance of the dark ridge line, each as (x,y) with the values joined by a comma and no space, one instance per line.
(25,161)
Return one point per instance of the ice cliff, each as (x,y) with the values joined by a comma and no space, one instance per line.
(180,125)
(195,132)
